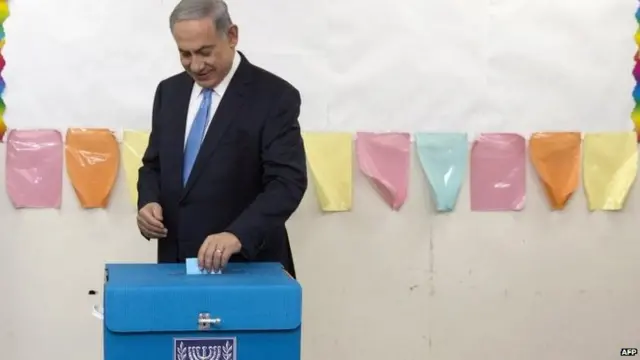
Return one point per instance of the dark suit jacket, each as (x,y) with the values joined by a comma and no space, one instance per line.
(249,176)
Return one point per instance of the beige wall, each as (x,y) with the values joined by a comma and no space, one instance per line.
(378,285)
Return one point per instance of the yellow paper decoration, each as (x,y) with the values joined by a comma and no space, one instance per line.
(635,116)
(610,164)
(330,158)
(3,128)
(134,144)
(4,10)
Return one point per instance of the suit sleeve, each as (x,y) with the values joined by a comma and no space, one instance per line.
(284,176)
(149,172)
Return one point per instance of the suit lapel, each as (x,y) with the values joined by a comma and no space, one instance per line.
(226,112)
(177,127)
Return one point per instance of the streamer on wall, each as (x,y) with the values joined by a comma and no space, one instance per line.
(556,159)
(4,14)
(134,144)
(384,160)
(635,114)
(330,165)
(93,160)
(33,173)
(610,166)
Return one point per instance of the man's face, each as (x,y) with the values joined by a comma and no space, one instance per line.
(205,54)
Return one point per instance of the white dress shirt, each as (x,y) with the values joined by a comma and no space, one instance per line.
(218,93)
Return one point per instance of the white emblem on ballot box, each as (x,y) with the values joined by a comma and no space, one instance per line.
(205,349)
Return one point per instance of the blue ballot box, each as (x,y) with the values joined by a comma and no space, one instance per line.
(157,312)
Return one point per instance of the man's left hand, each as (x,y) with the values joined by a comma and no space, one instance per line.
(216,250)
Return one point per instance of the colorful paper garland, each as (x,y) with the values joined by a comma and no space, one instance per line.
(4,14)
(635,114)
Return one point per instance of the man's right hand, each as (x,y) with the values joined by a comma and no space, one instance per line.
(150,221)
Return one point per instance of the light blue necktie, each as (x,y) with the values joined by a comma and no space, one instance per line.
(196,135)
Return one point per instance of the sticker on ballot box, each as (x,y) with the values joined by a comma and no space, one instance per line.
(209,348)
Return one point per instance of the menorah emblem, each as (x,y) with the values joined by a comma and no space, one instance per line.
(205,349)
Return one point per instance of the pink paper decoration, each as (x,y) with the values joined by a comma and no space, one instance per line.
(498,172)
(384,160)
(34,168)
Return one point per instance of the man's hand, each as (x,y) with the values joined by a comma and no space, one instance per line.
(150,221)
(216,250)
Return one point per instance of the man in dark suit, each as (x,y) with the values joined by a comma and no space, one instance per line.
(225,166)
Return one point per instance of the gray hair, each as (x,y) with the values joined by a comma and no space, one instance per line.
(217,10)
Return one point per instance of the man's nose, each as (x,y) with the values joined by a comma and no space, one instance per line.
(197,65)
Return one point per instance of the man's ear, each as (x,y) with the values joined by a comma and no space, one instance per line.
(232,35)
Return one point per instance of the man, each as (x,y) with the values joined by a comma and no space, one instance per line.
(225,166)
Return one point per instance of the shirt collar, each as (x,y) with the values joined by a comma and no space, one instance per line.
(224,84)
